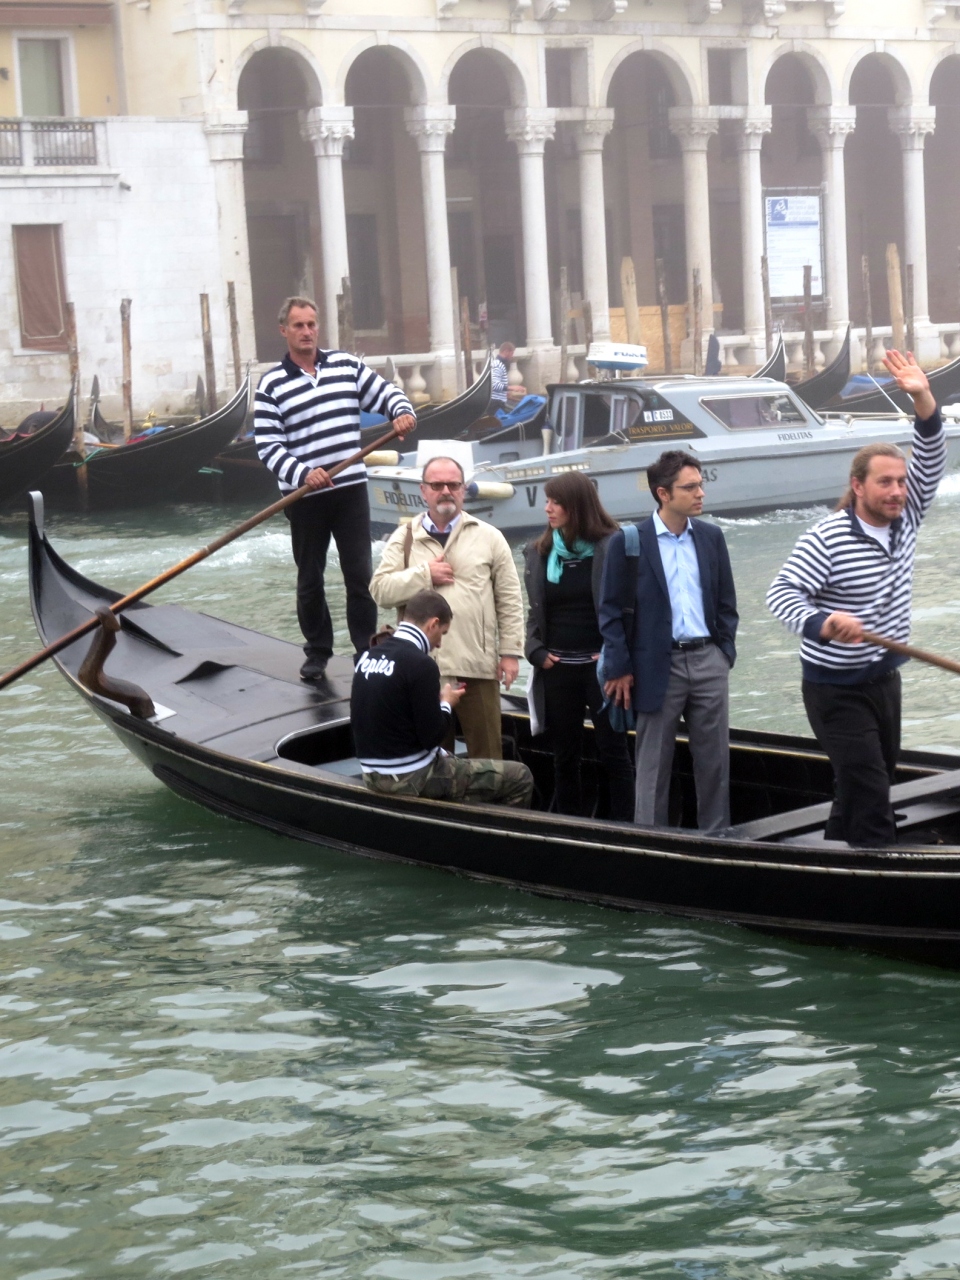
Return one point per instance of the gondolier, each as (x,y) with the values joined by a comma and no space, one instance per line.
(307,418)
(853,572)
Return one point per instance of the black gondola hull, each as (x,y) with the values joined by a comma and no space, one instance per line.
(149,470)
(241,735)
(24,463)
(818,391)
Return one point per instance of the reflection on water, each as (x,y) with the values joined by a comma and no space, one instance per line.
(227,1053)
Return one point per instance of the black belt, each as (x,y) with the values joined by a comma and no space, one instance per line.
(701,642)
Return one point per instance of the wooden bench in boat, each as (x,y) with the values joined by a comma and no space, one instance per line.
(915,803)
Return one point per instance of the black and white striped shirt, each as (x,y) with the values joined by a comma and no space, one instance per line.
(836,567)
(302,422)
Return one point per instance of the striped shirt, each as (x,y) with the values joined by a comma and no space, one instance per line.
(836,567)
(302,422)
(498,386)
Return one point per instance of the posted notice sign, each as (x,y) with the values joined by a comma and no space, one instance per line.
(793,242)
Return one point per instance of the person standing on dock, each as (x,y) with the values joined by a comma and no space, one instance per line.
(306,419)
(851,573)
(676,663)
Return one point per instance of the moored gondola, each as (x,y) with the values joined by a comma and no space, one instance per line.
(449,420)
(26,459)
(826,385)
(944,383)
(776,366)
(150,469)
(234,729)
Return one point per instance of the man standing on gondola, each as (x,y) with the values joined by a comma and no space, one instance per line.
(851,573)
(307,419)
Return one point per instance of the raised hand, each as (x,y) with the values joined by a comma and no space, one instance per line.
(911,379)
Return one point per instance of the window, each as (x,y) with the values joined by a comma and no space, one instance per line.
(364,256)
(746,413)
(42,89)
(41,289)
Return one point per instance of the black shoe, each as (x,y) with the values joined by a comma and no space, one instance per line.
(313,670)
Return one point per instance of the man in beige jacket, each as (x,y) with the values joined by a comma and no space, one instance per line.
(448,550)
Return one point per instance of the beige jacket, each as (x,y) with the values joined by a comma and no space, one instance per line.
(484,596)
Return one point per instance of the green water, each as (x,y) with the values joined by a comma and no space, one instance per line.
(227,1054)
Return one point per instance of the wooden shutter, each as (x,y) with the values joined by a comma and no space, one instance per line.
(41,288)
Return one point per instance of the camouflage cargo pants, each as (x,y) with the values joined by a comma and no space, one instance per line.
(457,778)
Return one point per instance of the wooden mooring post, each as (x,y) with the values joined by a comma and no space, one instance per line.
(125,348)
(697,323)
(895,292)
(809,367)
(664,302)
(234,333)
(209,369)
(867,313)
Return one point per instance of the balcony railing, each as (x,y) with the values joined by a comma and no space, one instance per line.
(48,142)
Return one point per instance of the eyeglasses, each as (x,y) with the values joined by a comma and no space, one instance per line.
(438,486)
(690,488)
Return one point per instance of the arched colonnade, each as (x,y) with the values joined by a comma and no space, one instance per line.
(509,170)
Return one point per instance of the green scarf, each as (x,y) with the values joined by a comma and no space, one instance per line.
(560,552)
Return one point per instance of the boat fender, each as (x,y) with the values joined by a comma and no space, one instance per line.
(383,458)
(490,489)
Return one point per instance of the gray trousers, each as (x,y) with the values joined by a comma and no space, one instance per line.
(699,691)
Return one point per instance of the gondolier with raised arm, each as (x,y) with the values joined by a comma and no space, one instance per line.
(306,419)
(851,573)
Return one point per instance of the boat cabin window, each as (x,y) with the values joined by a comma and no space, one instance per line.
(755,412)
(567,421)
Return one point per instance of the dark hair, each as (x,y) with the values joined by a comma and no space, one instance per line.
(289,303)
(586,518)
(860,466)
(663,474)
(441,458)
(426,605)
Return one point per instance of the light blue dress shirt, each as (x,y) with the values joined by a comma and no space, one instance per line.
(678,555)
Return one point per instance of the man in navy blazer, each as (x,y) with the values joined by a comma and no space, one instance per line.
(677,661)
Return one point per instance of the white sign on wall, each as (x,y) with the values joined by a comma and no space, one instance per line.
(793,242)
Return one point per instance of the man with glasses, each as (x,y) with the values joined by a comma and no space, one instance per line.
(469,562)
(669,624)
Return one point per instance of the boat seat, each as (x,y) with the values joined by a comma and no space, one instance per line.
(777,826)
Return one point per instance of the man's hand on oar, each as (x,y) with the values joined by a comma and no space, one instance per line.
(65,641)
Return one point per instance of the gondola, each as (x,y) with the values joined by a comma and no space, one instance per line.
(223,720)
(25,460)
(447,421)
(944,383)
(826,385)
(153,468)
(776,366)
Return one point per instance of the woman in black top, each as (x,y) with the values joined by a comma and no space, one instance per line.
(563,573)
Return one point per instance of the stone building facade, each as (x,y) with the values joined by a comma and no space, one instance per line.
(171,146)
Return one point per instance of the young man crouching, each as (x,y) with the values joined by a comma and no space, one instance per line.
(400,716)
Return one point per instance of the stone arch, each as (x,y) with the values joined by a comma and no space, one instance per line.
(403,54)
(818,69)
(942,180)
(903,91)
(316,84)
(682,81)
(520,90)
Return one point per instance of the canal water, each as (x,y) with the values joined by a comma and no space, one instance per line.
(227,1054)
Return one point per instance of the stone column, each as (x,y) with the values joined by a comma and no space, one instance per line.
(753,126)
(530,128)
(912,124)
(695,126)
(590,134)
(430,126)
(327,129)
(832,126)
(225,131)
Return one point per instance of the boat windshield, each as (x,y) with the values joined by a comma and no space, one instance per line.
(755,412)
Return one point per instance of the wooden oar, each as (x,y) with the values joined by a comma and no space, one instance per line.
(908,651)
(184,565)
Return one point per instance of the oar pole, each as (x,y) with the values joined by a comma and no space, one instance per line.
(174,572)
(908,651)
